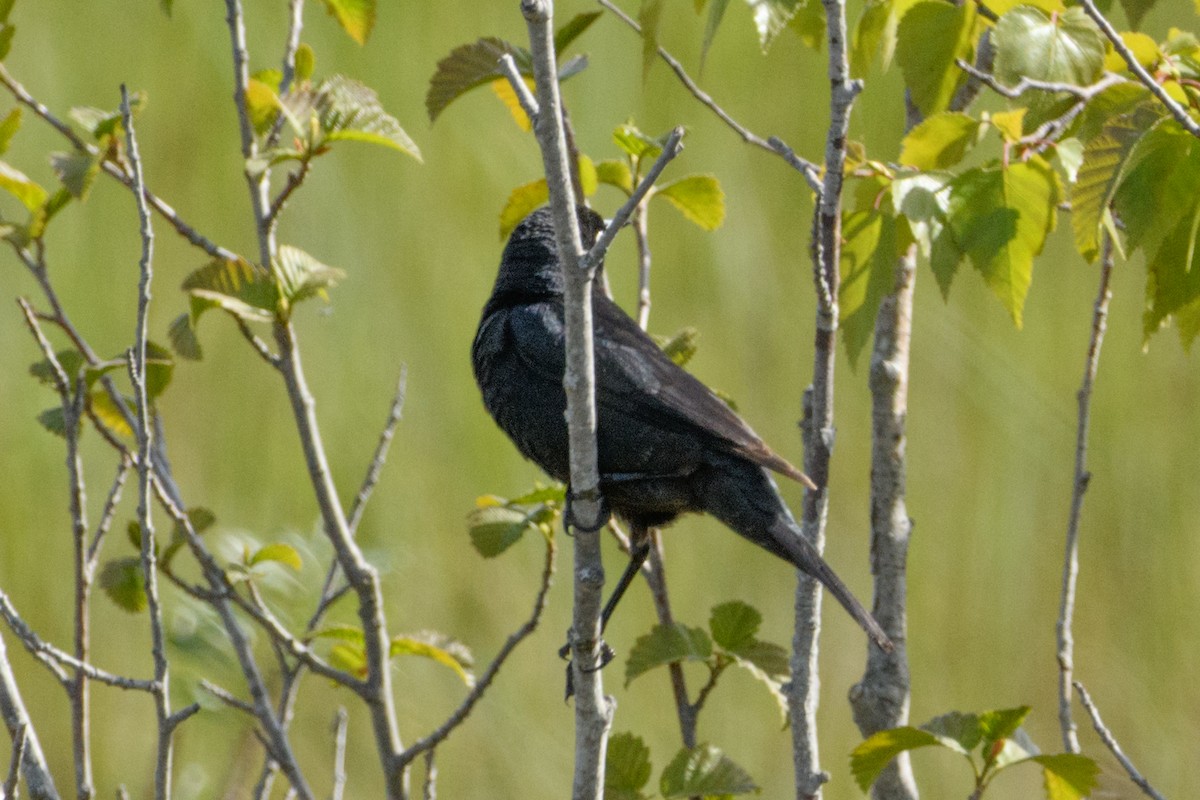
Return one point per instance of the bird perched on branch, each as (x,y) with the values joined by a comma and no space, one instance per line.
(666,444)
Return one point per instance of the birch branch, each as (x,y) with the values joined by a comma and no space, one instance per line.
(1111,743)
(16,719)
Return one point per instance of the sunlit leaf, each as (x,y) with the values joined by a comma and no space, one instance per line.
(665,644)
(439,648)
(771,17)
(503,89)
(704,770)
(635,143)
(16,183)
(494,529)
(930,37)
(1067,776)
(345,110)
(1009,123)
(699,198)
(871,242)
(107,411)
(279,553)
(521,202)
(923,200)
(9,127)
(262,105)
(877,751)
(357,17)
(301,276)
(682,345)
(626,767)
(124,582)
(615,173)
(939,141)
(243,289)
(305,64)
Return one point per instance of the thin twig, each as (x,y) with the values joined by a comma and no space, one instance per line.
(431,775)
(16,758)
(1110,742)
(395,412)
(525,97)
(1066,613)
(258,344)
(464,709)
(340,726)
(227,697)
(641,234)
(1177,111)
(810,171)
(291,46)
(108,514)
(16,719)
(1033,85)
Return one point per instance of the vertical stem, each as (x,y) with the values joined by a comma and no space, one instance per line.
(79,689)
(880,700)
(16,719)
(657,578)
(1066,642)
(818,430)
(593,711)
(641,235)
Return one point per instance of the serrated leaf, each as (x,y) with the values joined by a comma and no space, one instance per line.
(301,276)
(1067,776)
(77,171)
(521,202)
(357,17)
(497,528)
(124,582)
(939,141)
(704,770)
(109,414)
(770,18)
(923,200)
(53,420)
(615,173)
(262,105)
(239,287)
(20,186)
(279,553)
(682,345)
(734,624)
(503,90)
(1000,217)
(305,64)
(344,110)
(665,644)
(468,66)
(439,648)
(1010,750)
(573,29)
(929,39)
(877,751)
(1064,47)
(626,767)
(9,128)
(699,198)
(183,338)
(956,730)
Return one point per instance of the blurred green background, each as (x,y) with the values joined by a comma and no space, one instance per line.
(991,422)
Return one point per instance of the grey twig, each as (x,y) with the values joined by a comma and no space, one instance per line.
(671,149)
(124,464)
(1033,85)
(525,97)
(145,435)
(340,726)
(817,428)
(16,758)
(1177,111)
(593,712)
(295,26)
(641,234)
(774,145)
(1111,743)
(464,709)
(431,775)
(16,720)
(22,95)
(395,412)
(227,697)
(1066,612)
(258,344)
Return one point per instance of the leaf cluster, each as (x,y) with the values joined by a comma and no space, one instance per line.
(700,771)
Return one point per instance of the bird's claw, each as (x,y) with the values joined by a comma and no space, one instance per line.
(571,519)
(607,654)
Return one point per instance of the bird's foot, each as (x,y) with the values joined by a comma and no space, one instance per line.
(606,655)
(571,520)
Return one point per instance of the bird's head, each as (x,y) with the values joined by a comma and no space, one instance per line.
(530,260)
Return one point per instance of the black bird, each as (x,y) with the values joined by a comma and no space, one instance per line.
(667,444)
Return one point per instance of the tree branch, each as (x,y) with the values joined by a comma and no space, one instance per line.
(16,719)
(1111,743)
(1033,85)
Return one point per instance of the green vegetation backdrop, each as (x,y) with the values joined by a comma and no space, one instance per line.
(992,409)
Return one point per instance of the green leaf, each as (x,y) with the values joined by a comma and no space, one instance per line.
(665,644)
(808,23)
(554,494)
(6,7)
(929,39)
(344,110)
(53,420)
(626,767)
(877,751)
(439,648)
(649,17)
(682,345)
(573,29)
(716,12)
(183,338)
(1000,217)
(160,368)
(734,624)
(1135,10)
(279,553)
(521,203)
(1068,776)
(939,141)
(301,276)
(504,90)
(588,178)
(357,17)
(1064,47)
(637,144)
(70,361)
(770,18)
(342,633)
(262,105)
(699,198)
(956,730)
(1122,98)
(494,529)
(615,173)
(239,287)
(9,128)
(16,183)
(704,770)
(124,582)
(871,241)
(107,412)
(1068,154)
(6,37)
(923,200)
(306,63)
(1104,159)
(469,66)
(349,658)
(77,171)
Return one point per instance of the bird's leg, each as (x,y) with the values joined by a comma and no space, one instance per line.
(571,520)
(639,548)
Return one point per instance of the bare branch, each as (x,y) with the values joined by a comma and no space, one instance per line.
(395,412)
(340,726)
(1177,111)
(1111,743)
(16,719)
(1066,613)
(431,775)
(464,709)
(525,97)
(16,758)
(227,697)
(1024,85)
(107,515)
(773,145)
